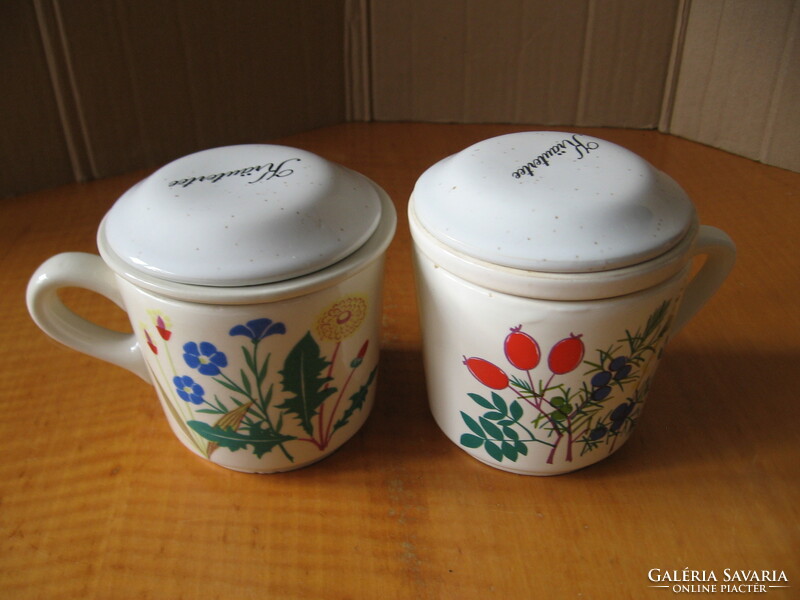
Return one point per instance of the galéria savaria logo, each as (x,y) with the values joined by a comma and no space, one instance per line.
(734,581)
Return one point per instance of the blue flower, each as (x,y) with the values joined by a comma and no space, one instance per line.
(205,358)
(258,329)
(188,390)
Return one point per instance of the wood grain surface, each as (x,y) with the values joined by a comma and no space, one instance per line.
(98,500)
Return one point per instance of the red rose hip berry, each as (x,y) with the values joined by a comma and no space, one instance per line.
(489,374)
(566,355)
(522,351)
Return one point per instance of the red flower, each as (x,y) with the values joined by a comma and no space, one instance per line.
(162,329)
(150,343)
(361,354)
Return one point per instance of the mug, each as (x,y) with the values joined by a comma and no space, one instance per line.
(257,378)
(544,372)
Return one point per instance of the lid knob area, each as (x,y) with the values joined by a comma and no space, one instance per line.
(242,215)
(552,202)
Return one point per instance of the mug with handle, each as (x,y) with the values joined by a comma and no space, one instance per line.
(552,269)
(252,277)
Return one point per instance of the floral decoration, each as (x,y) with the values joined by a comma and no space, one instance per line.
(342,319)
(534,409)
(188,390)
(204,357)
(259,409)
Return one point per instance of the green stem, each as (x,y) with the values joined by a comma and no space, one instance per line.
(322,431)
(327,438)
(537,406)
(182,407)
(261,400)
(530,433)
(513,441)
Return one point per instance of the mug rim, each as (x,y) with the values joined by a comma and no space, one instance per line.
(594,285)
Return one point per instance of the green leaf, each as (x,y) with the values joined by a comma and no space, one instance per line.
(357,401)
(515,410)
(510,433)
(490,428)
(493,450)
(268,398)
(248,358)
(302,377)
(521,448)
(521,385)
(245,382)
(493,415)
(231,386)
(481,401)
(655,319)
(471,441)
(499,403)
(509,451)
(261,440)
(473,425)
(263,372)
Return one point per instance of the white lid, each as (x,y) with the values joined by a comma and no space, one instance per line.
(242,215)
(552,202)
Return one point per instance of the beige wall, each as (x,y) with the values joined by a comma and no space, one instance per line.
(100,87)
(738,85)
(522,61)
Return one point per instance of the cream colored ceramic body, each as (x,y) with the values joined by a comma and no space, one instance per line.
(519,424)
(259,378)
(255,362)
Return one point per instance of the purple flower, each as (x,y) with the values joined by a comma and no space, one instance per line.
(188,390)
(619,415)
(205,358)
(258,329)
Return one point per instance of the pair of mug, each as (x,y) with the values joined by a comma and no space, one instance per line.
(551,270)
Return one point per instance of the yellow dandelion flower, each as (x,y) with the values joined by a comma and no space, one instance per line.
(341,319)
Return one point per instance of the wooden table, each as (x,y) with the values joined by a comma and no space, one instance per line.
(99,500)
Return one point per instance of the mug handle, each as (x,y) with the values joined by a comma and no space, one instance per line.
(720,253)
(88,271)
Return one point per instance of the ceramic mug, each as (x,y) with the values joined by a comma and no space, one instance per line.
(541,372)
(255,377)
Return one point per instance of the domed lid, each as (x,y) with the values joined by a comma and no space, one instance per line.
(552,202)
(242,215)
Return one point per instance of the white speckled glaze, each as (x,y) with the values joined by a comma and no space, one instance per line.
(242,215)
(538,371)
(588,205)
(256,378)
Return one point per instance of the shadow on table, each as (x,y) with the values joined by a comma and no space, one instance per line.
(709,410)
(703,408)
